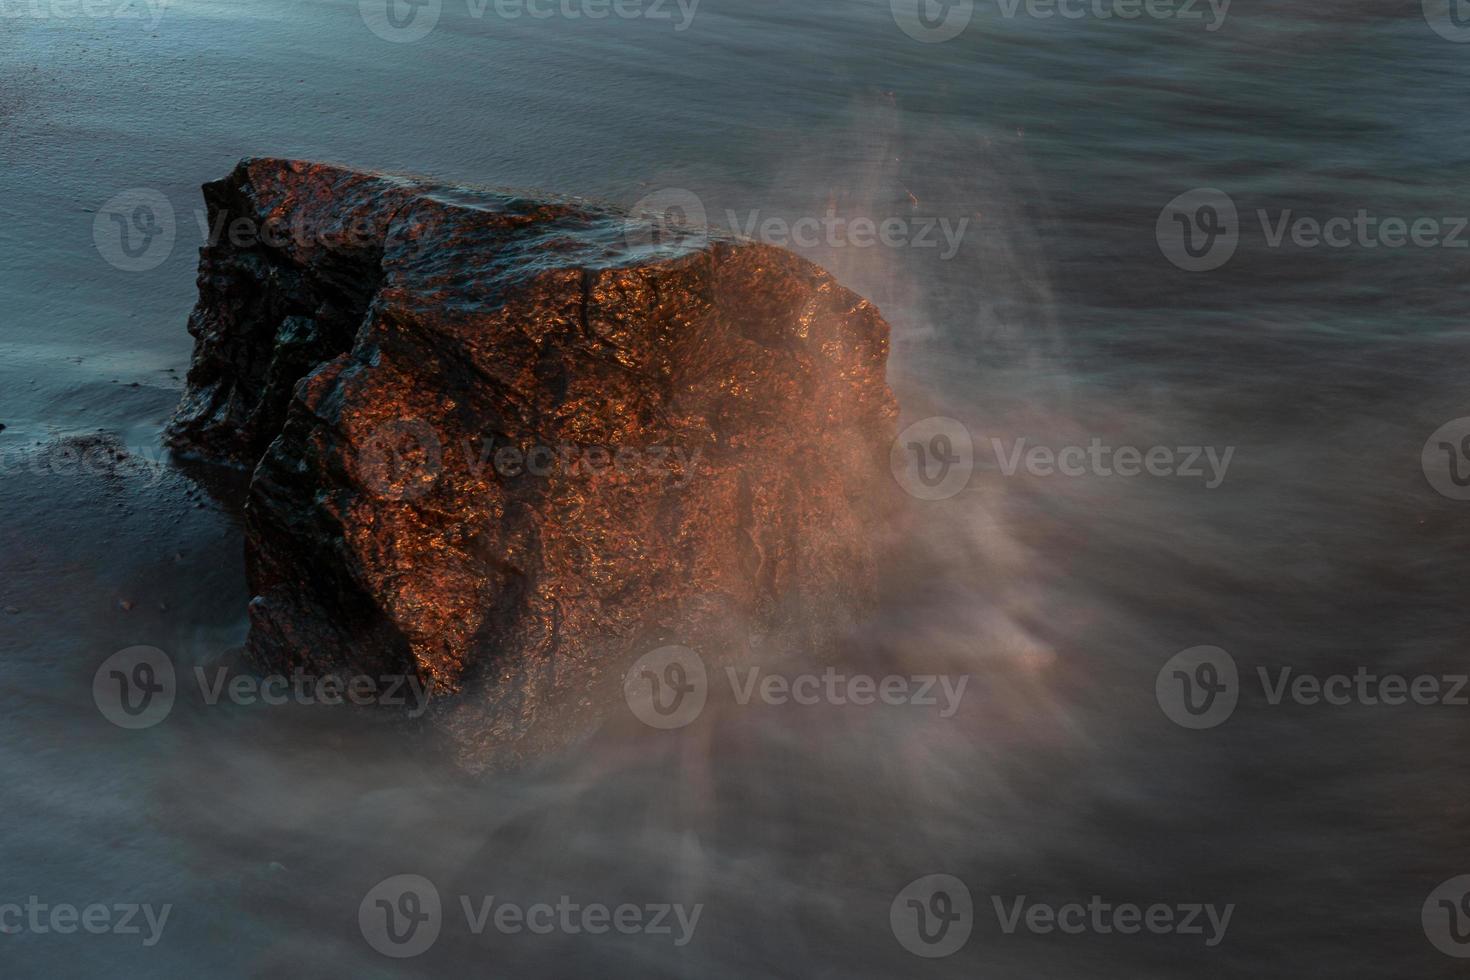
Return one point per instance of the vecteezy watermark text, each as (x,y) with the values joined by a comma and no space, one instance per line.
(1200,687)
(836,688)
(137,688)
(669,687)
(403,916)
(680,12)
(1211,12)
(403,459)
(936,21)
(88,456)
(1200,230)
(64,919)
(136,230)
(404,21)
(1102,917)
(934,459)
(675,216)
(1097,459)
(933,917)
(832,230)
(151,10)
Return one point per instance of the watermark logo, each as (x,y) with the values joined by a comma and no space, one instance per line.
(667,688)
(135,230)
(933,459)
(1446,459)
(669,218)
(135,688)
(401,21)
(1446,917)
(1198,688)
(401,460)
(1450,19)
(932,21)
(932,916)
(401,916)
(1199,230)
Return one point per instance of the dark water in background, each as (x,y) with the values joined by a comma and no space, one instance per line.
(1059,320)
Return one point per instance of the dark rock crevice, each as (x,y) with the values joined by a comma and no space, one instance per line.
(273,306)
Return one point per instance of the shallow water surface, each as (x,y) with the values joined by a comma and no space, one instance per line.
(1055,318)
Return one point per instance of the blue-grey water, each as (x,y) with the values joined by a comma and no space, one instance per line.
(1325,546)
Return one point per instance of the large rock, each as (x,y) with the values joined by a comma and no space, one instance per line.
(509,444)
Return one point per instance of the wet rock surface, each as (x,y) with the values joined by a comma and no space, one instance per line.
(510,444)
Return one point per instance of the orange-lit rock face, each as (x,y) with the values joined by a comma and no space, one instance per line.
(497,443)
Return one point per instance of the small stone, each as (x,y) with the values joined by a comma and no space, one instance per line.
(126,605)
(13,610)
(163,607)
